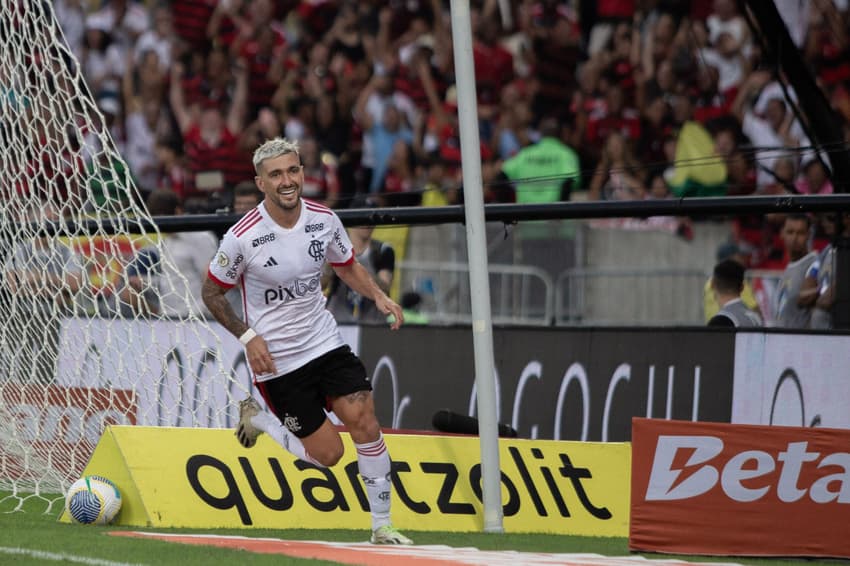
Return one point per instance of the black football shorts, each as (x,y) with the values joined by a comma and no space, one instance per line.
(299,398)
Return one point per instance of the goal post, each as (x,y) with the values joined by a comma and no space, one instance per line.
(80,346)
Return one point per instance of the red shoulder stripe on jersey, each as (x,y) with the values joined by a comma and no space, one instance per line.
(248,216)
(349,261)
(238,233)
(251,215)
(219,282)
(315,205)
(317,208)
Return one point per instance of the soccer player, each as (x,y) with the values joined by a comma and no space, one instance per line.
(293,345)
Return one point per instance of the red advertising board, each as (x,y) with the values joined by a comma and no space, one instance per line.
(750,490)
(58,427)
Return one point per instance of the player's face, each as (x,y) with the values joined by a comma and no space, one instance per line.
(281,179)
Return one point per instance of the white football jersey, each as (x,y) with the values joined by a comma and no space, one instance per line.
(280,270)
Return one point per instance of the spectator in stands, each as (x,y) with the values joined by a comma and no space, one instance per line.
(815,178)
(246,196)
(191,18)
(790,309)
(378,258)
(102,60)
(514,129)
(619,175)
(173,175)
(776,128)
(727,283)
(161,39)
(494,68)
(126,19)
(437,189)
(266,126)
(382,133)
(210,137)
(400,180)
(146,121)
(165,279)
(45,277)
(555,38)
(263,47)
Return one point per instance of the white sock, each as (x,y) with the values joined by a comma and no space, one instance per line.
(373,462)
(272,426)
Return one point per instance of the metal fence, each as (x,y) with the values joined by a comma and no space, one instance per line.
(518,294)
(528,295)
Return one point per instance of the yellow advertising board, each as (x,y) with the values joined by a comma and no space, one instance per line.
(203,478)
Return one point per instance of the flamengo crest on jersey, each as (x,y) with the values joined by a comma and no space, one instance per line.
(280,272)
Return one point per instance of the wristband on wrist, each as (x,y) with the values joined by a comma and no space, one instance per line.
(247,336)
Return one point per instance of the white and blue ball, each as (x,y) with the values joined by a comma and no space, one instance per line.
(93,500)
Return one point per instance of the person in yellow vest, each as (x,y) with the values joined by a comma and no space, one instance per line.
(710,304)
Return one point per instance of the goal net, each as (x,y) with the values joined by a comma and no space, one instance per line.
(88,338)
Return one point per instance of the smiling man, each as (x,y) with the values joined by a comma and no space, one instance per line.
(299,361)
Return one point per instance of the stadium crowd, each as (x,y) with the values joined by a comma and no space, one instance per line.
(635,99)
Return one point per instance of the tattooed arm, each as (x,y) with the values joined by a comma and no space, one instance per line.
(257,351)
(219,307)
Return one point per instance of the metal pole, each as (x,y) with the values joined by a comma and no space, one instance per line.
(482,328)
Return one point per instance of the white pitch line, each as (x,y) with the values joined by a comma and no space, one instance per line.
(43,555)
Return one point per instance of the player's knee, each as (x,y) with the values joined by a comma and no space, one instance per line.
(365,428)
(328,456)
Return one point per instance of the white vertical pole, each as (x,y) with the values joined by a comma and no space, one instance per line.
(479,282)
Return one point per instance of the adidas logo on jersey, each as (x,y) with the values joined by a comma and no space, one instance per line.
(270,263)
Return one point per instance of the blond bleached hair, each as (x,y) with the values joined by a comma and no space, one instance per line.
(274,148)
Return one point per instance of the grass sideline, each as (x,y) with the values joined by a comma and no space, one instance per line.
(33,529)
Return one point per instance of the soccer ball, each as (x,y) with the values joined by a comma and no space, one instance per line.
(93,500)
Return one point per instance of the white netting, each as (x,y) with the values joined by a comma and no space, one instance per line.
(79,346)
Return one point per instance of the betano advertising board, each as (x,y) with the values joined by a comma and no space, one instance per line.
(751,490)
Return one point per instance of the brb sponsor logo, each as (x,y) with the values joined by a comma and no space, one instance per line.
(685,467)
(310,228)
(265,239)
(286,293)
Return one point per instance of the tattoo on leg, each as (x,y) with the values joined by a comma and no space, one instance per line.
(357,396)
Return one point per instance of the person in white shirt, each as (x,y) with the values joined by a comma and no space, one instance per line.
(294,348)
(774,131)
